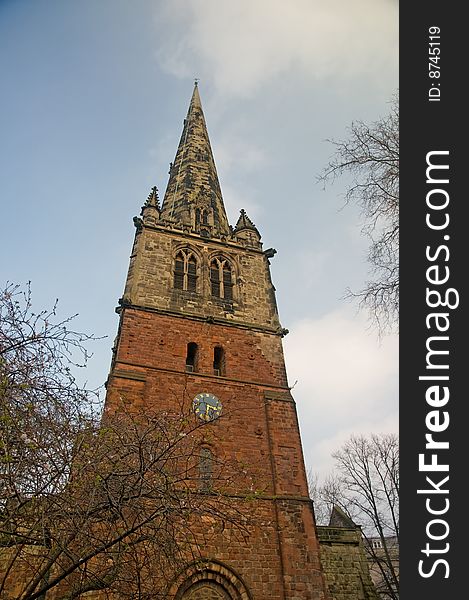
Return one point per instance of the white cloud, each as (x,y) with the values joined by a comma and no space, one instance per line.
(346,382)
(236,154)
(339,362)
(236,158)
(242,45)
(238,197)
(318,452)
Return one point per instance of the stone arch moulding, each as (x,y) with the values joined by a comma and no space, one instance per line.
(232,259)
(216,576)
(196,251)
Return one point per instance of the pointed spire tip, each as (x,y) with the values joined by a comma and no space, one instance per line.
(193,180)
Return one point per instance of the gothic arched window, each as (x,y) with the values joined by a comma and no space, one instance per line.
(185,271)
(221,278)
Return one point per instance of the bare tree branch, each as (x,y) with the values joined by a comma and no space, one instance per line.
(371,155)
(365,485)
(90,503)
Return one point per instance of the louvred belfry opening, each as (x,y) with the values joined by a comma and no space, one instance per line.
(185,271)
(221,279)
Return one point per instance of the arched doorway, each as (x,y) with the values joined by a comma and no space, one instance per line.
(206,590)
(208,580)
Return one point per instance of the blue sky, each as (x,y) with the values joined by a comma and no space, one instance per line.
(93,98)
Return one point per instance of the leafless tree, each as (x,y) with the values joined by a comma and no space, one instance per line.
(324,495)
(322,510)
(87,504)
(370,154)
(365,485)
(42,406)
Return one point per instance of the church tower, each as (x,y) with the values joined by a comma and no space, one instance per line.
(198,318)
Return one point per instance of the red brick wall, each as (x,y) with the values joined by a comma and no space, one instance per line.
(258,428)
(156,340)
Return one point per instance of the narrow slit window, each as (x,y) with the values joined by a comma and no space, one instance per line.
(191,357)
(205,469)
(218,361)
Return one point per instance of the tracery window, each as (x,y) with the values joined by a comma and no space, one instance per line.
(221,278)
(185,271)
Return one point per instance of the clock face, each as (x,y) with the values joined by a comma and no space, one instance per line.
(207,406)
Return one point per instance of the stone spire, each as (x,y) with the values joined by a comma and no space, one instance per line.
(193,195)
